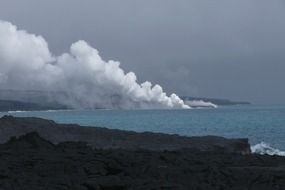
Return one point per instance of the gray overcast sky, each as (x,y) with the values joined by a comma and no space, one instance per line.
(212,48)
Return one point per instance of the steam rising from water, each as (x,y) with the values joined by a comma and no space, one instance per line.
(200,103)
(82,77)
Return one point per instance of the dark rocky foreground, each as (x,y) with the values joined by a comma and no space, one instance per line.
(30,162)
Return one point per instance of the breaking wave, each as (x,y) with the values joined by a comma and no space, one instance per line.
(264,148)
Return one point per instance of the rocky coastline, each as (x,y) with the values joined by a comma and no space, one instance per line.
(41,154)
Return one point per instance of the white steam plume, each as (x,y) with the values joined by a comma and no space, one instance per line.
(200,103)
(82,77)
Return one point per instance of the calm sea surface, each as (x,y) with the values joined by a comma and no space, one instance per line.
(258,123)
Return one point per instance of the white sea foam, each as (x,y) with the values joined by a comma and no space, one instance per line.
(18,111)
(24,111)
(264,148)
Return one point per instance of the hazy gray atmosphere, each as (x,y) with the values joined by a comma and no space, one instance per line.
(224,48)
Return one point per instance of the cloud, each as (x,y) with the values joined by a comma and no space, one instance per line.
(80,78)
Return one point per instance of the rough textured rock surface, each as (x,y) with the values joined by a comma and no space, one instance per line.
(30,162)
(105,138)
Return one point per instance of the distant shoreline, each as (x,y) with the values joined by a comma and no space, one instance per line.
(17,106)
(217,101)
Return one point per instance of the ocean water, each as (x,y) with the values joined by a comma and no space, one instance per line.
(264,126)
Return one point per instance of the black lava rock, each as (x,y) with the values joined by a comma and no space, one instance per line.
(31,162)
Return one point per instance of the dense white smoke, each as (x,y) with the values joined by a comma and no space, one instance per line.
(81,78)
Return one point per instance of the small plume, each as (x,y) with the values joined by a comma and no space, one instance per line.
(200,103)
(80,78)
